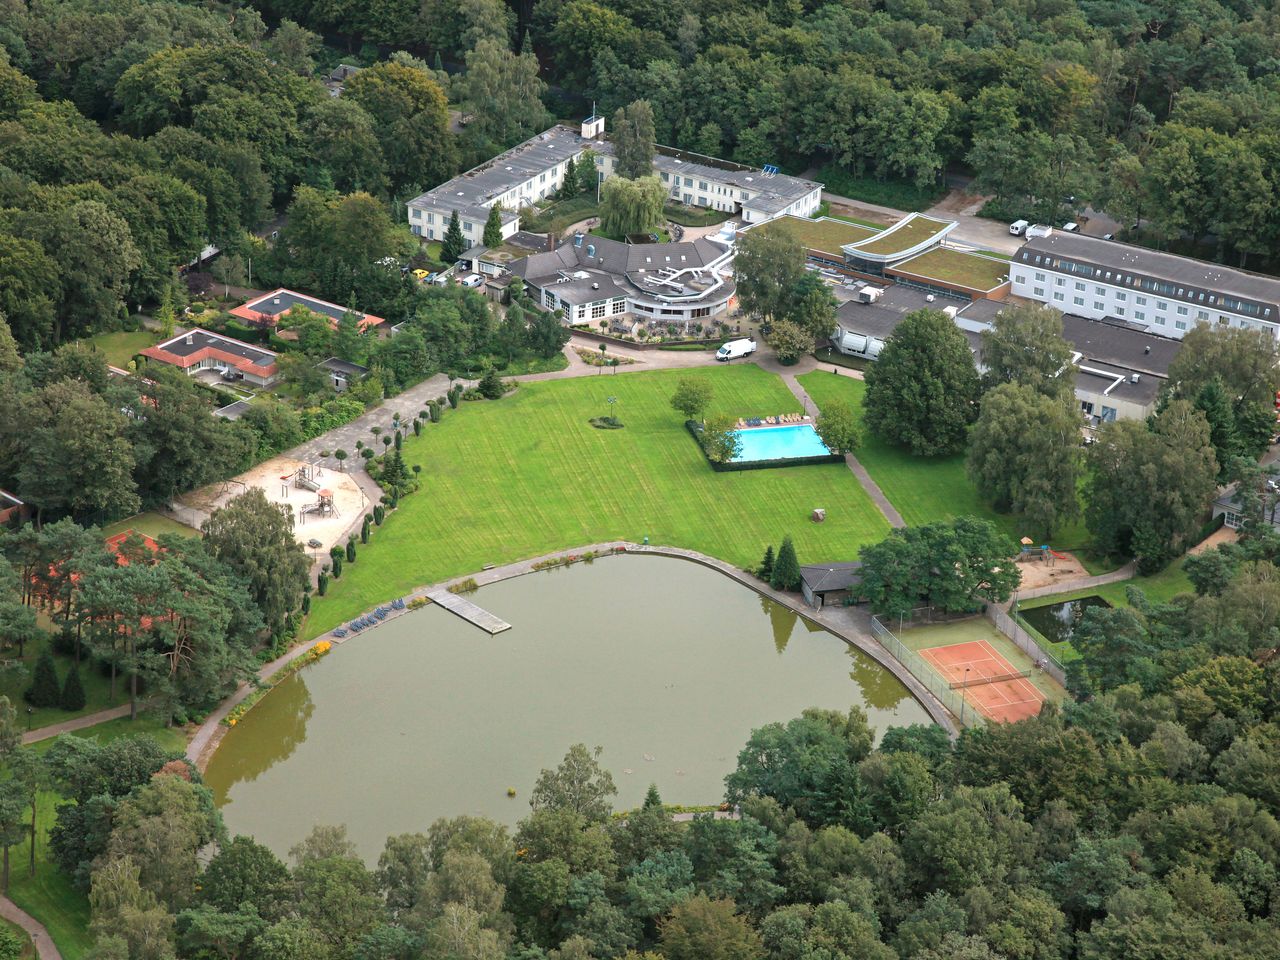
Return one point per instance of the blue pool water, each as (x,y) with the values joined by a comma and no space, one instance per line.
(780,443)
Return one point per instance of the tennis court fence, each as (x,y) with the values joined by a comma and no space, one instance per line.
(927,675)
(992,678)
(1027,643)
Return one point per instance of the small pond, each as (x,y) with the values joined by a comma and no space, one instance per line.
(665,664)
(1057,621)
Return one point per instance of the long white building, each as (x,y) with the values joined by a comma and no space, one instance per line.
(1161,292)
(534,170)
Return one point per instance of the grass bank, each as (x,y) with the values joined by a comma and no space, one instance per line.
(899,194)
(923,489)
(528,475)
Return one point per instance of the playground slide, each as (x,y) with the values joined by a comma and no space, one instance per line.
(306,484)
(1060,556)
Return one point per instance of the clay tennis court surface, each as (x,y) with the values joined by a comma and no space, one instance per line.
(1002,700)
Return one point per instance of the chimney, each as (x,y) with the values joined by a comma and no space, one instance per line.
(190,340)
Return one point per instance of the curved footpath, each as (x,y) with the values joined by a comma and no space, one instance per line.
(45,948)
(850,624)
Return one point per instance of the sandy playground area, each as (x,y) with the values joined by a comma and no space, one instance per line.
(324,502)
(1054,570)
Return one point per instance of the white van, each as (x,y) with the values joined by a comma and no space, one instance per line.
(1038,230)
(472,280)
(736,348)
(1018,227)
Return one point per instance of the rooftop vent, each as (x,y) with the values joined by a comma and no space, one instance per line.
(1135,378)
(595,286)
(190,340)
(1147,348)
(276,301)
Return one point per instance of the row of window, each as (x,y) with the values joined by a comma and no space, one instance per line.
(1122,297)
(1225,302)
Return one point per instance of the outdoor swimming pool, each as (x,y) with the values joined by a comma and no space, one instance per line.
(780,443)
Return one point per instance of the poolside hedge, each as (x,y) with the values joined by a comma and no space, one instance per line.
(695,431)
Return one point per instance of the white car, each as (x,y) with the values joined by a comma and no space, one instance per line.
(1071,227)
(472,280)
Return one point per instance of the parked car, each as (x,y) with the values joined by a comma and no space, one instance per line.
(736,348)
(1018,227)
(422,276)
(472,280)
(1037,230)
(1071,227)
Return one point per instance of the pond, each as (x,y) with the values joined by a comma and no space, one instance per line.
(665,664)
(1057,621)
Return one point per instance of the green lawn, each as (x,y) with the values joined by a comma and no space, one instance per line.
(121,347)
(1158,587)
(528,475)
(694,216)
(923,489)
(827,235)
(955,266)
(49,896)
(151,525)
(919,229)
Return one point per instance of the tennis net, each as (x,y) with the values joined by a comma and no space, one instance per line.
(993,678)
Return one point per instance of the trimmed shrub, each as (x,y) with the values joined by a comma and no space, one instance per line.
(351,550)
(337,566)
(73,697)
(379,513)
(322,584)
(306,604)
(364,530)
(45,690)
(417,427)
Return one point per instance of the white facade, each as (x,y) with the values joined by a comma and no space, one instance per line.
(1166,294)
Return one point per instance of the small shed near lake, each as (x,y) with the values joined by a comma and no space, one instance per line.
(824,583)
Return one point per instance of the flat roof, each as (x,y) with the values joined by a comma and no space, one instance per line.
(881,318)
(959,267)
(825,234)
(1120,344)
(1198,275)
(1094,376)
(903,236)
(772,192)
(338,365)
(473,192)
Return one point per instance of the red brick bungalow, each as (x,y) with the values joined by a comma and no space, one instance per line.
(266,310)
(199,349)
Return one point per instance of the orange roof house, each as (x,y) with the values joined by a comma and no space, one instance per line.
(199,349)
(266,310)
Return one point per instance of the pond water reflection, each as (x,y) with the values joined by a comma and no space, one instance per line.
(665,664)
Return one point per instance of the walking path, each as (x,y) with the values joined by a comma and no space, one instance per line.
(78,723)
(45,948)
(857,469)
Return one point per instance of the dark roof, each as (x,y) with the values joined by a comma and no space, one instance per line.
(195,340)
(1198,275)
(1120,343)
(881,318)
(282,301)
(1095,377)
(824,577)
(343,366)
(7,497)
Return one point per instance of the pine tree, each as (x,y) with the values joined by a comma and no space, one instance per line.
(453,245)
(652,801)
(45,690)
(766,565)
(73,691)
(349,342)
(570,186)
(490,385)
(493,227)
(786,569)
(588,176)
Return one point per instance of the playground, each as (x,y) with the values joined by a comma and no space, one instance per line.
(1043,566)
(325,502)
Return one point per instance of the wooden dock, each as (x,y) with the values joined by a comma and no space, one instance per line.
(468,611)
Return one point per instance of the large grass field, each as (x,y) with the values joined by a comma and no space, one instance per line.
(923,489)
(121,347)
(528,475)
(49,896)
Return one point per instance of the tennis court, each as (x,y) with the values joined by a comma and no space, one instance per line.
(995,687)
